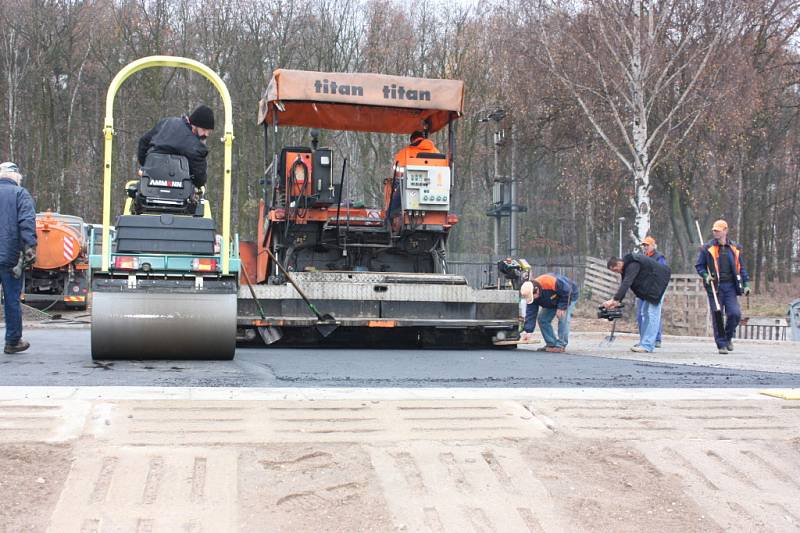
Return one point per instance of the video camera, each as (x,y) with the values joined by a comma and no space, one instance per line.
(611,314)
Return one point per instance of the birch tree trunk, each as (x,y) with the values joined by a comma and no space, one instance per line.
(634,78)
(15,66)
(641,168)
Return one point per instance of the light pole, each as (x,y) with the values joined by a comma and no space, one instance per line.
(499,202)
(621,220)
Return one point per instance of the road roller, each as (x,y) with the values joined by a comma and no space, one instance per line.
(165,286)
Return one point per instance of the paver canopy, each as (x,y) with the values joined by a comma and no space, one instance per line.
(360,102)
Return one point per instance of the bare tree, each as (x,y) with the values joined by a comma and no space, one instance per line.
(15,61)
(621,59)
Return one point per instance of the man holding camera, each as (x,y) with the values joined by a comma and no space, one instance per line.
(648,279)
(17,248)
(557,296)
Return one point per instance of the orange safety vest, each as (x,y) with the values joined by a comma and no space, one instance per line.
(713,250)
(411,151)
(546,282)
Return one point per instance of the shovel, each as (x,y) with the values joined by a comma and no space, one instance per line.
(326,324)
(608,340)
(719,320)
(269,334)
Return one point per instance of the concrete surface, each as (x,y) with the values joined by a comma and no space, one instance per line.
(400,440)
(540,464)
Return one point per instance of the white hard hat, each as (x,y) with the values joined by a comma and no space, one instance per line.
(8,166)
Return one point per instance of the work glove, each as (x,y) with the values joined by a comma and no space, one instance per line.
(17,269)
(30,255)
(746,289)
(707,280)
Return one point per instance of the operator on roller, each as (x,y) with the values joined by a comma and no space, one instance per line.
(184,136)
(17,249)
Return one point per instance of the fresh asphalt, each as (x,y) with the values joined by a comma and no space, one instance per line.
(61,357)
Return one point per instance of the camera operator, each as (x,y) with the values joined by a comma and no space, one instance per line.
(648,279)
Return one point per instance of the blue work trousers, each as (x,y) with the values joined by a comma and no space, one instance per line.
(640,319)
(12,287)
(729,302)
(546,316)
(651,324)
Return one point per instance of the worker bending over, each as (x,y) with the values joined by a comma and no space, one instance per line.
(557,296)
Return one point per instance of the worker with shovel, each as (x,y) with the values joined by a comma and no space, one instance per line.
(720,266)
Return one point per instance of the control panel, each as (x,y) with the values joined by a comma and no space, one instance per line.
(426,188)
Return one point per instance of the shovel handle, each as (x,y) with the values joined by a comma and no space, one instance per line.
(253,292)
(290,279)
(713,288)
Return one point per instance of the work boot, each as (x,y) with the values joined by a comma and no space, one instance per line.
(554,349)
(723,350)
(544,348)
(20,346)
(730,346)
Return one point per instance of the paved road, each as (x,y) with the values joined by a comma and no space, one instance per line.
(61,357)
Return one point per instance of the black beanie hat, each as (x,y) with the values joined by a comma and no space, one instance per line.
(202,117)
(417,135)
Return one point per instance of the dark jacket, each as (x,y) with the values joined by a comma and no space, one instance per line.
(557,292)
(646,277)
(658,256)
(708,262)
(17,222)
(174,136)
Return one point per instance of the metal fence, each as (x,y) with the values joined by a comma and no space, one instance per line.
(685,310)
(480,270)
(771,329)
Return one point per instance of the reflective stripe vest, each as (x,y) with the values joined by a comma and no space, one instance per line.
(713,250)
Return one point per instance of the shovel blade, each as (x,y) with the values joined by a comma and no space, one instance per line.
(326,325)
(270,334)
(720,322)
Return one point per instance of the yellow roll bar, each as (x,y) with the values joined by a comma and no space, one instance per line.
(227,139)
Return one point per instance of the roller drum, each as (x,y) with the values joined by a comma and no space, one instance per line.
(131,325)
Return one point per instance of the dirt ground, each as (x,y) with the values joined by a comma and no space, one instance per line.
(413,465)
(32,476)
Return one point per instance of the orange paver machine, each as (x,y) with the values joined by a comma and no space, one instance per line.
(379,270)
